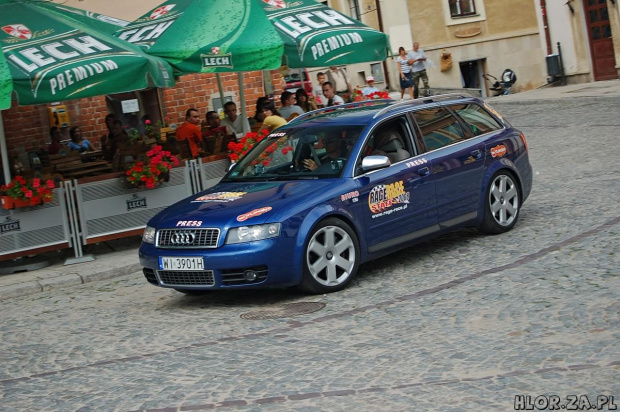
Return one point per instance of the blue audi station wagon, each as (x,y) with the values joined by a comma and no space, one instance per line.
(338,187)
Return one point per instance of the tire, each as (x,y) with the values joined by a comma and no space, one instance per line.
(502,201)
(194,292)
(331,257)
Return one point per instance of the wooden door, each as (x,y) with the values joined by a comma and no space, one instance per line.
(601,43)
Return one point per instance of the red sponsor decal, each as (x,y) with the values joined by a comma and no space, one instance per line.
(18,30)
(160,11)
(215,50)
(276,3)
(253,213)
(498,151)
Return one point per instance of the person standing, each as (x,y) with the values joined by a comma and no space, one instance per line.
(332,98)
(416,58)
(190,131)
(318,90)
(338,78)
(236,124)
(370,86)
(404,70)
(288,105)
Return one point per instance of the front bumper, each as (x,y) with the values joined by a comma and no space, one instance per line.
(226,267)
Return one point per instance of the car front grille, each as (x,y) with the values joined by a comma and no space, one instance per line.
(187,238)
(186,278)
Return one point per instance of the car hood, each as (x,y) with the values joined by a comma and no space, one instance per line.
(230,204)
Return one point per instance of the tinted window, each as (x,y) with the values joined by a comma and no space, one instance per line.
(439,127)
(478,119)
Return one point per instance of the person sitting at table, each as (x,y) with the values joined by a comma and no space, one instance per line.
(307,103)
(289,105)
(235,123)
(259,116)
(55,136)
(77,141)
(190,131)
(273,119)
(109,146)
(214,125)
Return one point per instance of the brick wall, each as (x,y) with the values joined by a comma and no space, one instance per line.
(26,128)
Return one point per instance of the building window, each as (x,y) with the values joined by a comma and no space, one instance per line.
(461,8)
(355,10)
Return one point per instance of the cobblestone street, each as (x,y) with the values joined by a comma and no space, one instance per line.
(461,323)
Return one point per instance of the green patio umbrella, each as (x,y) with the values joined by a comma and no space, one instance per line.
(53,57)
(100,22)
(214,36)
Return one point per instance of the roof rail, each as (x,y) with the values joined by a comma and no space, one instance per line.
(339,107)
(431,99)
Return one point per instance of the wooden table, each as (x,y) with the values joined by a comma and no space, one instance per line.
(76,170)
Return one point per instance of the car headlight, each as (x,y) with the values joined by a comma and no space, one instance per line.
(149,235)
(252,233)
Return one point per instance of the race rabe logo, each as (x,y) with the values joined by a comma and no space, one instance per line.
(136,202)
(9,225)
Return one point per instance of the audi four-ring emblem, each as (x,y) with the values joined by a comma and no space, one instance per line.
(183,238)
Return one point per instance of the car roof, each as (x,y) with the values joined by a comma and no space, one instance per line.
(369,111)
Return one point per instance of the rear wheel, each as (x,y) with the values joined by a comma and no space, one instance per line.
(502,203)
(331,257)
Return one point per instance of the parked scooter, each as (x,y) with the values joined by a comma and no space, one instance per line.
(502,86)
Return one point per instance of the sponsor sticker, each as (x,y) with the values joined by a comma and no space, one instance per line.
(220,197)
(498,151)
(10,225)
(280,4)
(417,162)
(383,199)
(350,196)
(136,202)
(253,213)
(189,223)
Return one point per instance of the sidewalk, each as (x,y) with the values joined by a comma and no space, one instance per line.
(120,257)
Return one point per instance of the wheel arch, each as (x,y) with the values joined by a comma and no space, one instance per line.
(312,219)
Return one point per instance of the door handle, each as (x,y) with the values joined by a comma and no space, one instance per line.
(425,171)
(476,154)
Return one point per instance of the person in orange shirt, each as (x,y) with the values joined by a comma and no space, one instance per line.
(190,131)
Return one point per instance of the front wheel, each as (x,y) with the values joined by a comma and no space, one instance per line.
(331,257)
(501,205)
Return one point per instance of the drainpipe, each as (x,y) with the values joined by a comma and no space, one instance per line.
(543,9)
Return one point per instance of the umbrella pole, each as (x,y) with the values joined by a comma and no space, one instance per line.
(5,157)
(242,100)
(219,86)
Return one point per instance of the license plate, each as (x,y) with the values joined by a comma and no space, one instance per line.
(181,263)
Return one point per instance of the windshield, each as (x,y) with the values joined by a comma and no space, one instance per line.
(300,153)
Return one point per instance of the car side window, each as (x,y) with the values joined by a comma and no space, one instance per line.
(477,118)
(439,127)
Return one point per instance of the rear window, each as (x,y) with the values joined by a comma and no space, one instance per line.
(478,119)
(439,127)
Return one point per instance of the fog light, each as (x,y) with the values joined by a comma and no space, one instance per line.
(250,275)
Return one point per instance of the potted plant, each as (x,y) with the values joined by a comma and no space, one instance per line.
(20,192)
(153,171)
(237,149)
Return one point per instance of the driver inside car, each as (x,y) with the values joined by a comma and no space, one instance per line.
(336,153)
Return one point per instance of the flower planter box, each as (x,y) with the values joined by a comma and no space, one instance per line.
(11,203)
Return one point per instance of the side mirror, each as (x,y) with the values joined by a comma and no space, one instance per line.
(370,163)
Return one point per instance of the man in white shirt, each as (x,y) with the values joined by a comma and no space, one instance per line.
(370,86)
(330,94)
(288,105)
(416,58)
(236,124)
